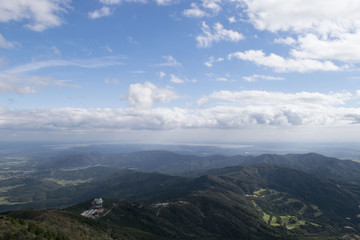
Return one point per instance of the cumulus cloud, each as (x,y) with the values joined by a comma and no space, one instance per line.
(40,14)
(145,95)
(216,34)
(102,12)
(249,109)
(345,48)
(280,64)
(325,16)
(325,30)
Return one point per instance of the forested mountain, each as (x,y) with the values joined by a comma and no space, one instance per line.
(261,201)
(173,163)
(163,195)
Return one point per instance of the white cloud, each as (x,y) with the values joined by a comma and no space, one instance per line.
(12,80)
(84,63)
(246,108)
(194,11)
(102,12)
(207,8)
(106,10)
(256,77)
(280,64)
(165,2)
(5,44)
(222,79)
(161,75)
(114,2)
(344,49)
(170,61)
(203,101)
(109,2)
(249,109)
(18,84)
(40,14)
(324,29)
(216,34)
(232,19)
(145,95)
(175,79)
(278,98)
(212,60)
(322,16)
(213,5)
(286,41)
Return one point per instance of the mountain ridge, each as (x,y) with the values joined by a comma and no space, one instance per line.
(289,204)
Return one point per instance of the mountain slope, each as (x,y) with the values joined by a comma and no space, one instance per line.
(61,225)
(158,161)
(262,201)
(173,163)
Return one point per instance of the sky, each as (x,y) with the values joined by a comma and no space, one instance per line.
(179,71)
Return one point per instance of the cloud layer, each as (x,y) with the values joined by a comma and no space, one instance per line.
(226,110)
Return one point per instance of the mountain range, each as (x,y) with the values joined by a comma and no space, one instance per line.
(163,195)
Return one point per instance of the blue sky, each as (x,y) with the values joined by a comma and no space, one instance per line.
(174,71)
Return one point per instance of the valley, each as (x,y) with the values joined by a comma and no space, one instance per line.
(166,195)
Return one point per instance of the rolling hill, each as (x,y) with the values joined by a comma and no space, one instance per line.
(173,163)
(261,201)
(164,195)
